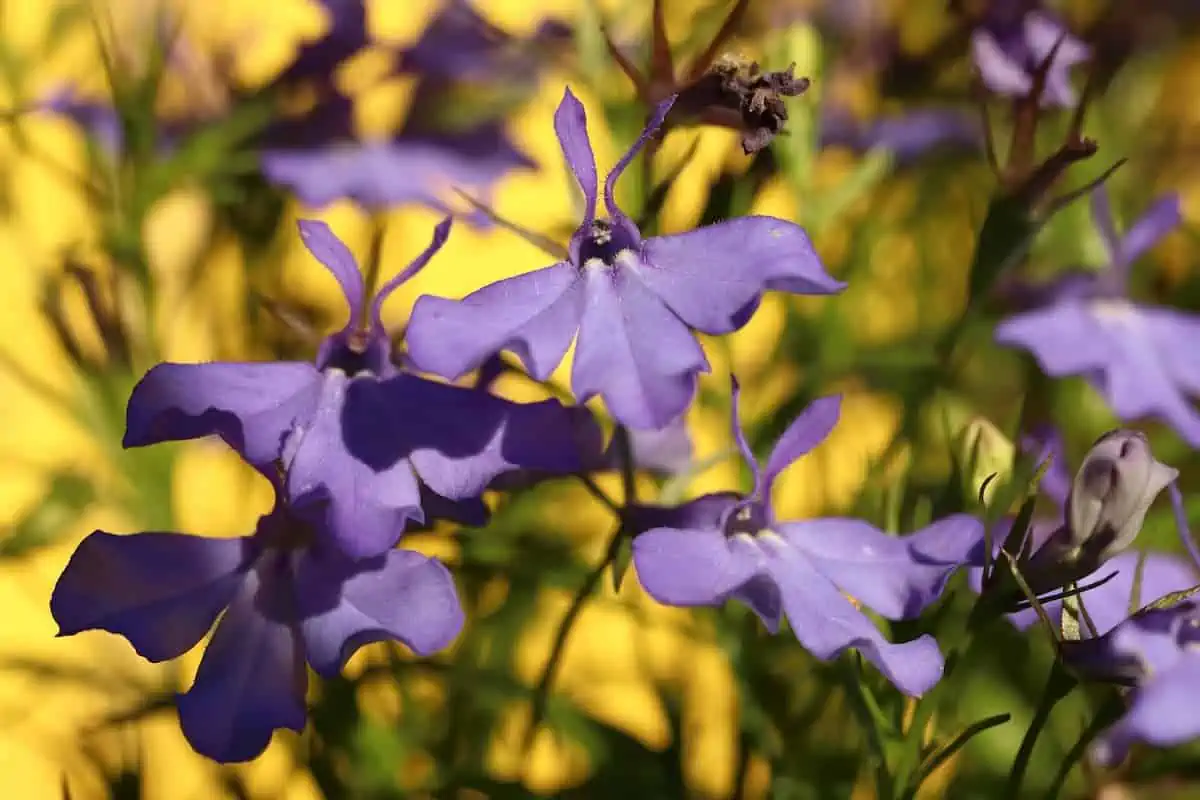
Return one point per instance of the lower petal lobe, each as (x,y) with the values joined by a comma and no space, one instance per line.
(161,591)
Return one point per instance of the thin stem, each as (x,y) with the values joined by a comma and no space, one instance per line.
(541,694)
(867,711)
(1058,686)
(1108,713)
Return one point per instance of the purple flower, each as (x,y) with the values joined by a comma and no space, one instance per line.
(1013,41)
(1140,357)
(346,36)
(723,546)
(353,427)
(633,302)
(321,159)
(908,136)
(1155,651)
(287,600)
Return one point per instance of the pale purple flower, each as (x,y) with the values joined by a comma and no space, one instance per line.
(376,440)
(1157,652)
(730,546)
(1142,358)
(633,302)
(1013,40)
(283,600)
(908,136)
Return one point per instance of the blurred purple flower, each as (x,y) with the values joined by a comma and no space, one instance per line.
(1141,358)
(287,600)
(321,159)
(354,427)
(1010,43)
(634,303)
(346,36)
(1155,651)
(459,44)
(908,136)
(723,546)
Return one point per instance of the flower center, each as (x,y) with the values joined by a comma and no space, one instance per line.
(605,242)
(748,519)
(355,353)
(285,530)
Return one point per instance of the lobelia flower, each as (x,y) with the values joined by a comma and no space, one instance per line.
(633,302)
(908,136)
(1102,511)
(1140,357)
(1155,651)
(386,445)
(730,546)
(287,599)
(1013,40)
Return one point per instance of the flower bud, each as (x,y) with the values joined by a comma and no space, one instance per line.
(1112,491)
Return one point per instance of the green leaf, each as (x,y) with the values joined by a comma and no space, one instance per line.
(68,495)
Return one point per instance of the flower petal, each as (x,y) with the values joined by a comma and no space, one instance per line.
(161,591)
(610,182)
(333,254)
(714,277)
(1174,334)
(806,432)
(1063,338)
(1159,220)
(1046,443)
(896,576)
(997,69)
(1165,712)
(706,511)
(252,407)
(344,456)
(458,439)
(403,596)
(535,315)
(1103,217)
(440,233)
(827,623)
(252,679)
(633,352)
(570,125)
(693,566)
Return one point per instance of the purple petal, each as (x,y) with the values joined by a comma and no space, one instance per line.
(440,233)
(999,71)
(693,566)
(333,254)
(252,679)
(1159,220)
(342,456)
(610,183)
(1103,217)
(570,125)
(806,432)
(406,169)
(827,623)
(1043,32)
(1165,712)
(252,407)
(666,451)
(1063,338)
(161,591)
(761,594)
(896,576)
(706,511)
(535,315)
(458,439)
(1174,333)
(1046,443)
(403,596)
(739,437)
(633,351)
(714,277)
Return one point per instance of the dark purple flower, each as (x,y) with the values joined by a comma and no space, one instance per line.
(287,600)
(354,427)
(1155,651)
(346,36)
(1011,43)
(1140,357)
(634,302)
(459,44)
(724,546)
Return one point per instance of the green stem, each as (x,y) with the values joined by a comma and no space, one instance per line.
(869,714)
(1109,712)
(1058,686)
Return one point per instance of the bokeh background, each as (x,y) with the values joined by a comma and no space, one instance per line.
(197,256)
